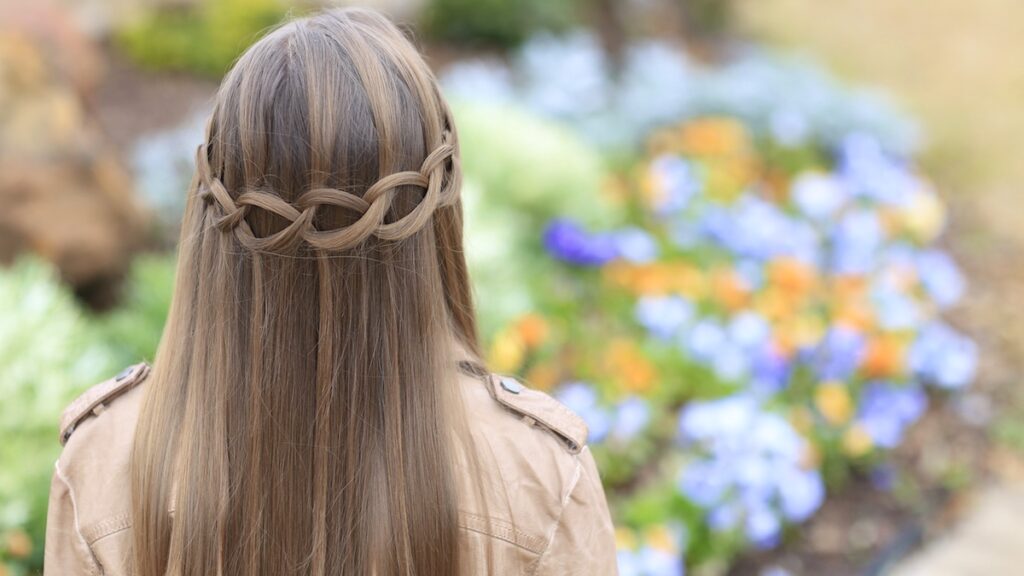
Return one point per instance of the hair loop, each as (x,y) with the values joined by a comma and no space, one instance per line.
(439,175)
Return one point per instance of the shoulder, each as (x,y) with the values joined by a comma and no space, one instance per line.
(536,409)
(97,431)
(95,400)
(531,456)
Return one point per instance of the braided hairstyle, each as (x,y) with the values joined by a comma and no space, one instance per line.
(302,416)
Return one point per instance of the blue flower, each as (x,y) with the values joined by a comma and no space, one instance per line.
(895,309)
(729,362)
(663,316)
(631,417)
(635,245)
(648,561)
(680,180)
(565,240)
(943,356)
(749,330)
(763,528)
(582,399)
(801,493)
(870,172)
(839,355)
(887,410)
(818,196)
(941,277)
(856,243)
(771,371)
(704,339)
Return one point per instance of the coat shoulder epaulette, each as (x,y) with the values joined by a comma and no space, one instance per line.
(95,399)
(537,407)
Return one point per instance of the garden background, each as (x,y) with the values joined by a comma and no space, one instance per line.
(768,250)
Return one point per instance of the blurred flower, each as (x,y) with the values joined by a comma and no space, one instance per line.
(944,357)
(819,196)
(635,245)
(833,402)
(663,316)
(856,242)
(532,329)
(507,351)
(674,183)
(629,367)
(887,410)
(631,417)
(582,399)
(857,441)
(565,240)
(941,277)
(924,215)
(839,354)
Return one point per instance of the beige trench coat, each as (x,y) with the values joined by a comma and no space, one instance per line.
(550,515)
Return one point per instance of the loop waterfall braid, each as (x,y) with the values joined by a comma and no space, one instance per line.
(439,175)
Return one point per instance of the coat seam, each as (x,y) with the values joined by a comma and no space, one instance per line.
(94,569)
(577,474)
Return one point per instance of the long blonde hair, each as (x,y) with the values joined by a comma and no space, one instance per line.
(299,418)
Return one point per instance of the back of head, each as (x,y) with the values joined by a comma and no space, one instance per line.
(300,414)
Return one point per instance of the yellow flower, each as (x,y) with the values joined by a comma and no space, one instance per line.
(661,538)
(925,215)
(714,136)
(625,539)
(507,351)
(856,441)
(833,401)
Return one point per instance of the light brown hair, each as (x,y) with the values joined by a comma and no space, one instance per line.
(301,417)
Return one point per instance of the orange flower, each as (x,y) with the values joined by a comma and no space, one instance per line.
(657,278)
(886,356)
(629,367)
(543,376)
(792,276)
(713,136)
(728,288)
(19,544)
(532,329)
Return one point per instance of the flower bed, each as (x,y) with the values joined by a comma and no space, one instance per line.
(763,318)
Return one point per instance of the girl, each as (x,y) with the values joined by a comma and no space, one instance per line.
(318,404)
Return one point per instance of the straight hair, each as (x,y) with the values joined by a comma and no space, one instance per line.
(302,416)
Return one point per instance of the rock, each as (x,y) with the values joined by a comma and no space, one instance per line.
(64,194)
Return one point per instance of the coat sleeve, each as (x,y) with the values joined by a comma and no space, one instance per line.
(66,552)
(584,539)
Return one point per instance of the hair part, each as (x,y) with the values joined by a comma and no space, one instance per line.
(301,416)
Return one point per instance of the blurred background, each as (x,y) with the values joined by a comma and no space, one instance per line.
(768,250)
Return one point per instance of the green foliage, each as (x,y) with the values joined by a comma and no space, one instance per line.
(48,354)
(496,23)
(205,39)
(133,330)
(520,171)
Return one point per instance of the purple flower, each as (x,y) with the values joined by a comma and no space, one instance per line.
(871,173)
(887,410)
(840,354)
(943,356)
(763,528)
(771,370)
(565,240)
